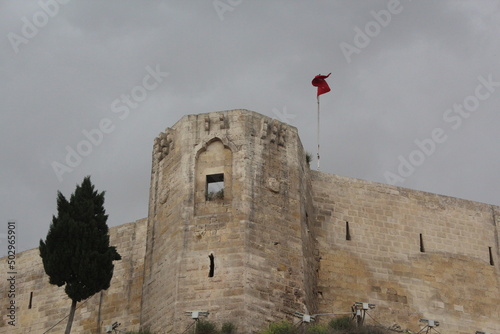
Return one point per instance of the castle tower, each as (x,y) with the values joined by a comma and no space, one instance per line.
(228,224)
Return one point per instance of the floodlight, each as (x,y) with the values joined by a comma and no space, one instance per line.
(197,314)
(305,317)
(430,323)
(364,306)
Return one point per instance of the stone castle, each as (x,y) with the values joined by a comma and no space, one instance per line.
(239,226)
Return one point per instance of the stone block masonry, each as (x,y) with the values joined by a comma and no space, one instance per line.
(240,227)
(43,308)
(243,255)
(414,254)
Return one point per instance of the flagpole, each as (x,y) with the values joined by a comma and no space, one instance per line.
(319,81)
(317,132)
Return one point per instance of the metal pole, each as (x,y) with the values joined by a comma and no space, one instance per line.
(318,131)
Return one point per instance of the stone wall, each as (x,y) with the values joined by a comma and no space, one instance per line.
(43,308)
(253,237)
(281,239)
(413,254)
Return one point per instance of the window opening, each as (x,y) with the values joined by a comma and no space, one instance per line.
(347,232)
(215,187)
(422,249)
(491,257)
(212,266)
(307,223)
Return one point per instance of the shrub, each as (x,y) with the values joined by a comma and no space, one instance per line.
(281,328)
(205,327)
(228,328)
(317,329)
(341,323)
(309,157)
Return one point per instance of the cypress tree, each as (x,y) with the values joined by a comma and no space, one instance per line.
(76,251)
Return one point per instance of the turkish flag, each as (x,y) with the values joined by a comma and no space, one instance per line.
(320,82)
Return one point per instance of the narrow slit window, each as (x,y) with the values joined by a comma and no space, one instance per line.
(491,257)
(307,223)
(347,232)
(31,300)
(212,266)
(215,187)
(422,249)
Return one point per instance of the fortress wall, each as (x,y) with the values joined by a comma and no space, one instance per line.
(450,279)
(49,303)
(281,267)
(284,239)
(185,229)
(164,232)
(213,233)
(125,293)
(310,249)
(255,233)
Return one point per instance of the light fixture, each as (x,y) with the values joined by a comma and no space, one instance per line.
(196,314)
(305,317)
(430,323)
(364,306)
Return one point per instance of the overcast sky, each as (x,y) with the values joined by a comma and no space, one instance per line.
(415,97)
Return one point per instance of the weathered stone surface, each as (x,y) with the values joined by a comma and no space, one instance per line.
(49,304)
(250,231)
(452,281)
(272,239)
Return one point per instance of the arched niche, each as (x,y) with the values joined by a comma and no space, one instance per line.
(213,177)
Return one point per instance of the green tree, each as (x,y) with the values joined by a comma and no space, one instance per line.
(76,252)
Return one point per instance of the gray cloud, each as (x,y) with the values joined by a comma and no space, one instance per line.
(261,56)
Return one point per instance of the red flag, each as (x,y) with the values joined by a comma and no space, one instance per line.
(320,82)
